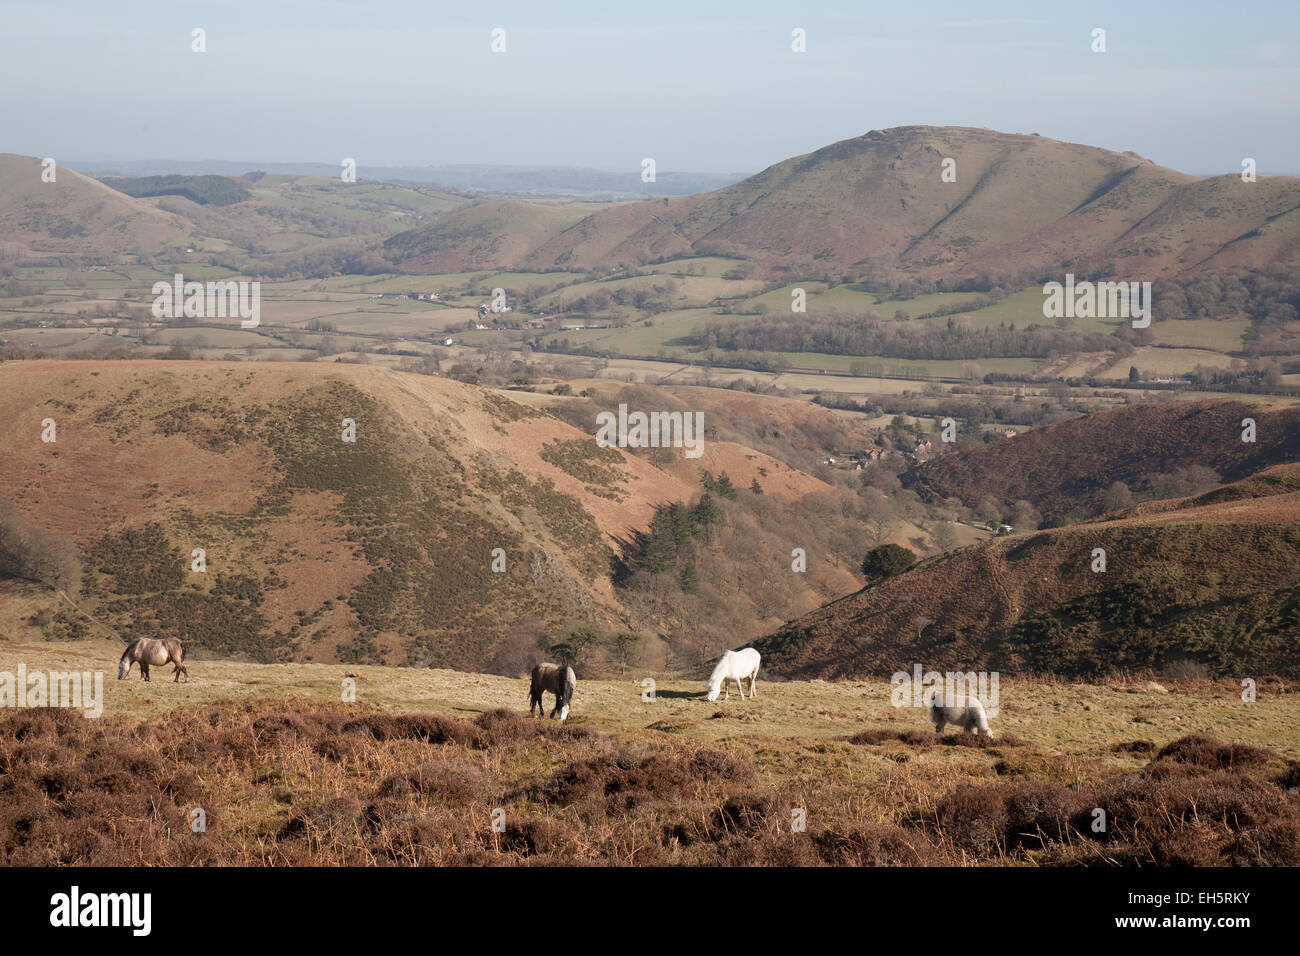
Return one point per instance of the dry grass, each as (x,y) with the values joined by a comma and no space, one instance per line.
(288,774)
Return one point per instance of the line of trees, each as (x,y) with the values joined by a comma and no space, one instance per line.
(844,334)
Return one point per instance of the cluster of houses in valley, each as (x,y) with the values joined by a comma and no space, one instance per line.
(542,322)
(857,460)
(416,296)
(921,448)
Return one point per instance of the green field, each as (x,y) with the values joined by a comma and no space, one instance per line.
(214,338)
(1022,309)
(642,339)
(945,368)
(1166,362)
(1218,335)
(715,266)
(461,282)
(691,290)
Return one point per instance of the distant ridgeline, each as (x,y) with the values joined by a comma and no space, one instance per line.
(204,190)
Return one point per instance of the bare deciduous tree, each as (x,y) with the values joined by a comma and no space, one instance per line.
(33,554)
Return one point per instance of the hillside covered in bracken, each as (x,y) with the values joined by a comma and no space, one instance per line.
(378,549)
(383,549)
(1209,583)
(1067,467)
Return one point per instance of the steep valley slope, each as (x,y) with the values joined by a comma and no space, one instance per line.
(1210,582)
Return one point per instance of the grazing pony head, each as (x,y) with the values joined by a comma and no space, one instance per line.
(124,665)
(718,676)
(568,683)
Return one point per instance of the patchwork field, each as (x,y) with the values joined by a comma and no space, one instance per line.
(653,312)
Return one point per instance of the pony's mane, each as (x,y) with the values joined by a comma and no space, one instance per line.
(720,669)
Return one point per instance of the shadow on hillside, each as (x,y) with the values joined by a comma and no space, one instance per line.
(622,564)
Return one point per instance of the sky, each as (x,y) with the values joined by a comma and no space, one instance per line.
(698,85)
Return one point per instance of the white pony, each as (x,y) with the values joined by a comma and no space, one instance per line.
(965,712)
(734,665)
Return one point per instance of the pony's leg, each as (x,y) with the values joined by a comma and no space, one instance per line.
(144,670)
(753,682)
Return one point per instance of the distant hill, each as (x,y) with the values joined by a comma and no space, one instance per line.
(265,224)
(481,234)
(1209,582)
(1068,466)
(76,214)
(560,181)
(877,203)
(204,190)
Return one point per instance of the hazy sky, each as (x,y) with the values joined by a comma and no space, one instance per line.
(697,85)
